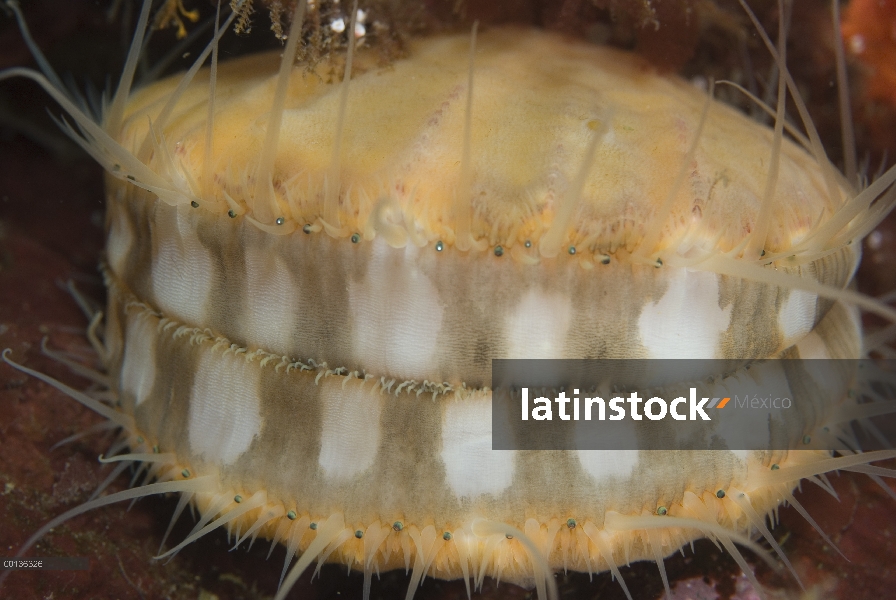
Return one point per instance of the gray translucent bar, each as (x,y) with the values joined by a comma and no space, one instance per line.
(52,563)
(773,405)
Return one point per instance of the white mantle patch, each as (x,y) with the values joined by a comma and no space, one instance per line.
(797,316)
(687,321)
(225,407)
(138,370)
(351,429)
(396,315)
(182,267)
(472,467)
(538,325)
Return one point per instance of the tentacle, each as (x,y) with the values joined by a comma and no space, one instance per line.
(190,485)
(758,522)
(326,533)
(120,419)
(257,499)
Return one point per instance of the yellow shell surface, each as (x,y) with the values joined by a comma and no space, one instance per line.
(538,100)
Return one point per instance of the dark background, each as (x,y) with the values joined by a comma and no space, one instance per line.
(51,212)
